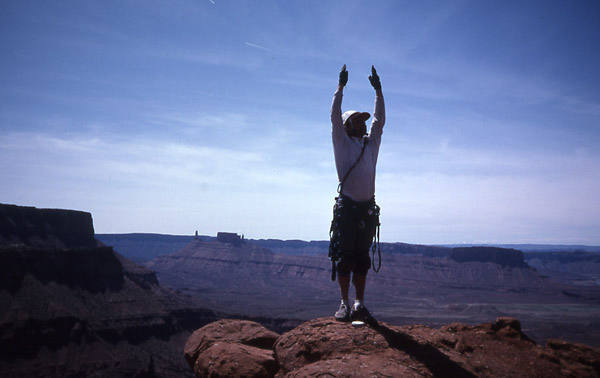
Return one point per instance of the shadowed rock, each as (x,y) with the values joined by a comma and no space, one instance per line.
(92,269)
(500,256)
(45,228)
(71,307)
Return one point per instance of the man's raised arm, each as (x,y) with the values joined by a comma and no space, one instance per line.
(336,107)
(379,113)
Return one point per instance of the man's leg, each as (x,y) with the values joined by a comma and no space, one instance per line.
(343,313)
(359,311)
(344,282)
(347,261)
(359,279)
(359,275)
(364,239)
(360,282)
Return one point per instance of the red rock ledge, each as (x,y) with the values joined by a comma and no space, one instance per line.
(324,347)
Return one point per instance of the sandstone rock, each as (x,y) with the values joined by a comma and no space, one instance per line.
(228,331)
(382,350)
(581,359)
(502,322)
(230,359)
(355,366)
(509,327)
(325,347)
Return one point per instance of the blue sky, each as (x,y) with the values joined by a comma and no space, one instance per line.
(178,116)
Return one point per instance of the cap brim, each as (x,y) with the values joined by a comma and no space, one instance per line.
(362,116)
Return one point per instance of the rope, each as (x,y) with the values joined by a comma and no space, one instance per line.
(376,246)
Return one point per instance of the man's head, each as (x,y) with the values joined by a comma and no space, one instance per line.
(355,123)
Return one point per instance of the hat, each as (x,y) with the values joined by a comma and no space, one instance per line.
(364,115)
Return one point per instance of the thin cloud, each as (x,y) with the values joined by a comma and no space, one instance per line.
(257,46)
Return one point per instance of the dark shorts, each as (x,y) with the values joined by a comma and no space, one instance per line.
(357,227)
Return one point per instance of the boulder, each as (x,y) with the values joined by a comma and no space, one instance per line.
(231,347)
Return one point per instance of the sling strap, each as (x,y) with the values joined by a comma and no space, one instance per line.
(362,151)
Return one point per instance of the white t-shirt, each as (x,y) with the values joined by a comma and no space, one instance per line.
(360,184)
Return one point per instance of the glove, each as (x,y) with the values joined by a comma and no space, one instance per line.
(374,79)
(343,76)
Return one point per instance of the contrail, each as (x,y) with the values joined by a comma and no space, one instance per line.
(212,1)
(257,46)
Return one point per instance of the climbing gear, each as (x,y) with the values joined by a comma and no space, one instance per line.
(335,237)
(369,221)
(373,214)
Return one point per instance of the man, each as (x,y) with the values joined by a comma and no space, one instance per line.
(355,214)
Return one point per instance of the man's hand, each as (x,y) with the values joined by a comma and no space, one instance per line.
(374,79)
(343,77)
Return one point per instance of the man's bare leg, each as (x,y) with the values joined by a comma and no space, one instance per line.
(344,286)
(343,313)
(359,285)
(359,311)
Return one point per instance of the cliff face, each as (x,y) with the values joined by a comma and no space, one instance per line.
(577,267)
(411,287)
(71,307)
(90,269)
(45,228)
(255,278)
(500,256)
(325,347)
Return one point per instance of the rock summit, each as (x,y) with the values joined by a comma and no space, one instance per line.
(325,346)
